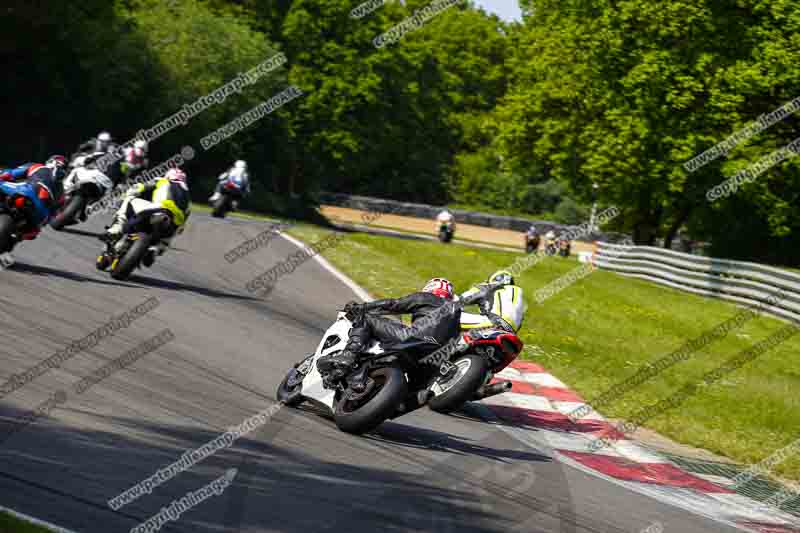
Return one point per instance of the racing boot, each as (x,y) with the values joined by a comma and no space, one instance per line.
(103,262)
(105,259)
(113,232)
(149,257)
(335,366)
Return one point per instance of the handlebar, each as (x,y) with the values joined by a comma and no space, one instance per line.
(486,289)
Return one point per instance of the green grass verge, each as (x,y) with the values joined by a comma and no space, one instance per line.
(601,329)
(11,524)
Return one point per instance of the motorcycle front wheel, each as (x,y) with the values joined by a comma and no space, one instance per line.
(290,395)
(360,413)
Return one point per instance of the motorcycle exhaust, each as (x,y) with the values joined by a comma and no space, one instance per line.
(492,390)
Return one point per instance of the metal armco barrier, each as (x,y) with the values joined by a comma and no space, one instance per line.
(750,284)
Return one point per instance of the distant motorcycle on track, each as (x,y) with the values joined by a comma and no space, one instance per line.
(564,247)
(133,249)
(446,231)
(532,242)
(231,194)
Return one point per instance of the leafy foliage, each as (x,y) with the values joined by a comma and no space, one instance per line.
(465,108)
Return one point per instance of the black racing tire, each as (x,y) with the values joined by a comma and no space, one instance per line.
(461,390)
(290,396)
(127,263)
(69,215)
(6,233)
(380,405)
(221,206)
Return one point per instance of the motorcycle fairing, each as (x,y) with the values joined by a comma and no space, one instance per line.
(28,190)
(312,387)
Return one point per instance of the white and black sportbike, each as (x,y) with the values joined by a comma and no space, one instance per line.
(402,377)
(84,185)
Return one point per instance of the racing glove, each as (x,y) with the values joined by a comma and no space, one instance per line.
(353,310)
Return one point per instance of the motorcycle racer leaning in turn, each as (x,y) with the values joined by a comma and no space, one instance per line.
(239,169)
(102,143)
(507,307)
(425,307)
(48,179)
(445,216)
(135,160)
(170,193)
(50,173)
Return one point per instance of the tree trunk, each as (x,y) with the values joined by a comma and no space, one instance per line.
(680,219)
(644,232)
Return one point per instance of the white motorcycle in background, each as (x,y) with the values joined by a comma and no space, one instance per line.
(398,379)
(84,185)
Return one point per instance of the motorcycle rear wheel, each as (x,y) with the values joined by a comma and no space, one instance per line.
(69,213)
(126,264)
(221,206)
(359,416)
(460,388)
(6,233)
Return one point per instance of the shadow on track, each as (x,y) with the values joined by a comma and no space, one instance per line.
(72,276)
(413,437)
(279,484)
(82,232)
(177,286)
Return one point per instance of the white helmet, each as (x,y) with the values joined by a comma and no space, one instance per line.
(103,141)
(141,145)
(550,234)
(240,165)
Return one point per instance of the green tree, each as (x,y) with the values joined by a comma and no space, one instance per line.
(623,93)
(201,47)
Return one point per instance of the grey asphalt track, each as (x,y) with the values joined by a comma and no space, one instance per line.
(421,472)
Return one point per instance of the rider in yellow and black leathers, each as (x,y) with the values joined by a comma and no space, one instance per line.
(170,192)
(506,309)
